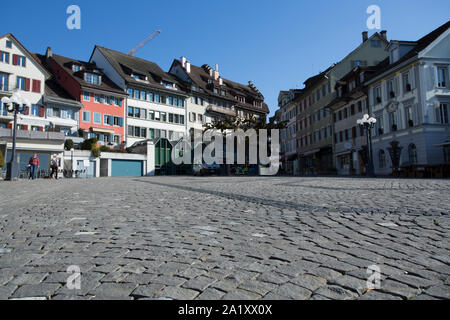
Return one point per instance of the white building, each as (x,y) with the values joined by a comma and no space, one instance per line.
(53,113)
(410,97)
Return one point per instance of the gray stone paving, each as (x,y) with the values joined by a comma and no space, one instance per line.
(225,238)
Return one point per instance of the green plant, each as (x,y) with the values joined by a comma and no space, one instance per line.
(81,133)
(96,151)
(105,149)
(129,150)
(88,144)
(2,160)
(68,145)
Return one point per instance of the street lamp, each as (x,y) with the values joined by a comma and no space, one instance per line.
(368,123)
(15,104)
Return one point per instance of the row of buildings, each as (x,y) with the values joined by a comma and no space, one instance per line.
(119,99)
(403,84)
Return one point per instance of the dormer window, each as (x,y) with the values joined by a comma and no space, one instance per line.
(216,91)
(92,78)
(361,78)
(8,44)
(76,67)
(168,84)
(393,56)
(223,92)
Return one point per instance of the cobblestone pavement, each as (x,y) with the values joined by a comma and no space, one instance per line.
(225,238)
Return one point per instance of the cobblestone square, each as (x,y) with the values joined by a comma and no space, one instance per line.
(225,238)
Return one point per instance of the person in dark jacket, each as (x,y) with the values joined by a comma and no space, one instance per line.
(34,166)
(54,167)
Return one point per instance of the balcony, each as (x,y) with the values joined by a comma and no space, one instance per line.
(220,110)
(32,135)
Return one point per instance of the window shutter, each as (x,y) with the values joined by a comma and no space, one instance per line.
(41,112)
(15,59)
(37,86)
(27,84)
(121,122)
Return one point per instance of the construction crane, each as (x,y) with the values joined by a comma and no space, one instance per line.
(143,43)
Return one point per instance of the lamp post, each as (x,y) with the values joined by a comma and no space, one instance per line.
(15,104)
(71,170)
(368,123)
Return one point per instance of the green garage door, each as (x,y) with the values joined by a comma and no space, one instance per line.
(126,168)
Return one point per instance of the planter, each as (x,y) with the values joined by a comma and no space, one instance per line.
(392,94)
(379,99)
(410,123)
(408,88)
(394,127)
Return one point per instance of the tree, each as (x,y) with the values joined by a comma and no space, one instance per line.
(68,145)
(2,160)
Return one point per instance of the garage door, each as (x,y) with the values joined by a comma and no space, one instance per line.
(126,168)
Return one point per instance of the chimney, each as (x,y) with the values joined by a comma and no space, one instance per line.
(183,62)
(216,73)
(188,67)
(49,53)
(383,34)
(365,36)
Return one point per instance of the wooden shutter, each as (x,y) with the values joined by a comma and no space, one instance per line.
(41,112)
(37,86)
(27,84)
(15,59)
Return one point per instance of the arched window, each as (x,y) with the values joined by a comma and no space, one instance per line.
(412,152)
(381,159)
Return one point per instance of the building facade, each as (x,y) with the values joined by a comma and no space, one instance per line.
(409,95)
(156,100)
(103,112)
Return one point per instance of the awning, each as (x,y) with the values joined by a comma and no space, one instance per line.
(443,144)
(310,152)
(102,130)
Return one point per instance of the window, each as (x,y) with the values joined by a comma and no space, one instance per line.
(377,94)
(4,57)
(130,93)
(19,61)
(86,96)
(406,82)
(170,101)
(151,115)
(137,113)
(170,117)
(98,98)
(163,117)
(393,121)
(358,63)
(381,159)
(151,133)
(181,119)
(379,126)
(409,117)
(76,67)
(9,44)
(97,117)
(118,102)
(143,95)
(447,154)
(4,82)
(21,83)
(157,99)
(375,43)
(223,92)
(412,153)
(34,110)
(157,116)
(391,88)
(86,116)
(92,78)
(176,118)
(130,111)
(442,77)
(442,113)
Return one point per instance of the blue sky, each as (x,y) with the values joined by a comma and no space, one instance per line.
(276,44)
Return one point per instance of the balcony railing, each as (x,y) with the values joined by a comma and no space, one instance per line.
(32,135)
(220,110)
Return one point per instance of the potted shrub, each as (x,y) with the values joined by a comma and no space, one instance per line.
(380,131)
(68,145)
(394,127)
(379,99)
(411,123)
(392,94)
(2,160)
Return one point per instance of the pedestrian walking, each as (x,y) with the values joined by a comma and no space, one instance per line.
(54,167)
(34,166)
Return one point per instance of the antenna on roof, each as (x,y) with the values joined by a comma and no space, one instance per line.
(143,43)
